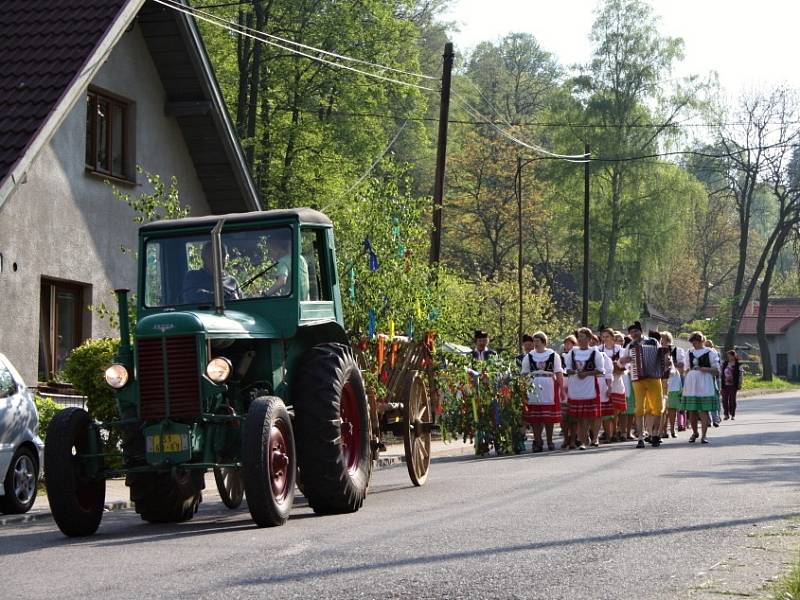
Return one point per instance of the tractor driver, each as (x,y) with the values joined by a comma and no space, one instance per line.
(281,251)
(198,285)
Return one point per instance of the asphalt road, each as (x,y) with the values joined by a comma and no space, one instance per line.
(680,521)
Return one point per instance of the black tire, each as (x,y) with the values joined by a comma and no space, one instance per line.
(270,462)
(164,498)
(335,474)
(20,482)
(230,486)
(76,500)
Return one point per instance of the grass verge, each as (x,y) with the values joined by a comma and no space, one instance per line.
(788,588)
(776,385)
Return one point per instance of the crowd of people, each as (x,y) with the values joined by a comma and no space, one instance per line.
(614,387)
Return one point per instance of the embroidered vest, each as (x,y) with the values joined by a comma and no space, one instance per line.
(590,364)
(702,361)
(549,364)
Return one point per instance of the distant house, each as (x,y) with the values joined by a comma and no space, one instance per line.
(88,90)
(783,333)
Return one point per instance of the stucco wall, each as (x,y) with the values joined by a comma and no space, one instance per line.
(788,343)
(64,223)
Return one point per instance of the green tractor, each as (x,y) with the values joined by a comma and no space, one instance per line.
(241,365)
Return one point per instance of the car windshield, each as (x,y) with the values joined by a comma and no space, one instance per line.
(257,263)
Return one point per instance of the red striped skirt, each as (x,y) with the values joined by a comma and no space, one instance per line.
(607,409)
(589,408)
(544,413)
(619,401)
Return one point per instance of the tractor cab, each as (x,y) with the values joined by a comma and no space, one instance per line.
(275,266)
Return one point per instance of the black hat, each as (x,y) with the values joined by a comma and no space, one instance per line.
(479,333)
(636,325)
(527,337)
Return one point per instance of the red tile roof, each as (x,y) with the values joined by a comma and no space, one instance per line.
(781,314)
(43,46)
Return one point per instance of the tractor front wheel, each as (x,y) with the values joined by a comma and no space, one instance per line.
(269,462)
(333,426)
(76,499)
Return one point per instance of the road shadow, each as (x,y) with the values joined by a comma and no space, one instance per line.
(427,560)
(777,469)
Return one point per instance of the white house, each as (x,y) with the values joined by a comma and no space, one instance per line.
(88,90)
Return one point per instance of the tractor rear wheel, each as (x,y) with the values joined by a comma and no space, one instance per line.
(333,429)
(269,462)
(76,500)
(164,498)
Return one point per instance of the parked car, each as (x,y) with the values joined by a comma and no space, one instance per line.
(21,448)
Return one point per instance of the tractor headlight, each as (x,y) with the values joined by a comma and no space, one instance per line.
(219,369)
(116,376)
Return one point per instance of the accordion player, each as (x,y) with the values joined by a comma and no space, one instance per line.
(649,360)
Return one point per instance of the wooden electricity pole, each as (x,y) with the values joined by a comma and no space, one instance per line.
(585,311)
(441,155)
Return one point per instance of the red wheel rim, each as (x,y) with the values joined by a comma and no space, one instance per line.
(351,427)
(279,461)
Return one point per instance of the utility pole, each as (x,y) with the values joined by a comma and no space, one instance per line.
(585,311)
(441,154)
(519,246)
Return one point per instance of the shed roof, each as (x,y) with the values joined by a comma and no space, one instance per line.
(49,56)
(782,313)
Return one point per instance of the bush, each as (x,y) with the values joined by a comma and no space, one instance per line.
(84,369)
(47,409)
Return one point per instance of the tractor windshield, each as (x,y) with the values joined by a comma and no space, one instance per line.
(256,264)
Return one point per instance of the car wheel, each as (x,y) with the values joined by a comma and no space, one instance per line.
(20,483)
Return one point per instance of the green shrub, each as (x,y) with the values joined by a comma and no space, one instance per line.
(84,369)
(47,409)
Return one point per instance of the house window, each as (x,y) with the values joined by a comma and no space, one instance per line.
(107,126)
(62,306)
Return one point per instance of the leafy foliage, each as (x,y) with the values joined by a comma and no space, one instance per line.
(84,369)
(47,408)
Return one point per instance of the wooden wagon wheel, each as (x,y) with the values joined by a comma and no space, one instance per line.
(417,418)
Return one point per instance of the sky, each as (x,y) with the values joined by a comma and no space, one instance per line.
(749,44)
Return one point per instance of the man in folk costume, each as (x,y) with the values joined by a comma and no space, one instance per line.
(649,364)
(527,346)
(482,350)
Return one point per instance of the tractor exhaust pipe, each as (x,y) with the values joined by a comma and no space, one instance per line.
(125,352)
(216,250)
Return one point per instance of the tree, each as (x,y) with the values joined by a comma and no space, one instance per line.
(757,153)
(622,90)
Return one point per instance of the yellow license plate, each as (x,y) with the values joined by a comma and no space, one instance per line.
(172,442)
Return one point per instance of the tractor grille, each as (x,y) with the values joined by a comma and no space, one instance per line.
(182,374)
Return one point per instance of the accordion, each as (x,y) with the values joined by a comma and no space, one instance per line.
(650,362)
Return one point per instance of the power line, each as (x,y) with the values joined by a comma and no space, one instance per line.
(548,124)
(268,39)
(538,149)
(374,163)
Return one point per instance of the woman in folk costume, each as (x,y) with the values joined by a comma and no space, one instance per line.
(626,418)
(543,409)
(566,422)
(675,381)
(699,390)
(715,420)
(616,393)
(606,420)
(583,366)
